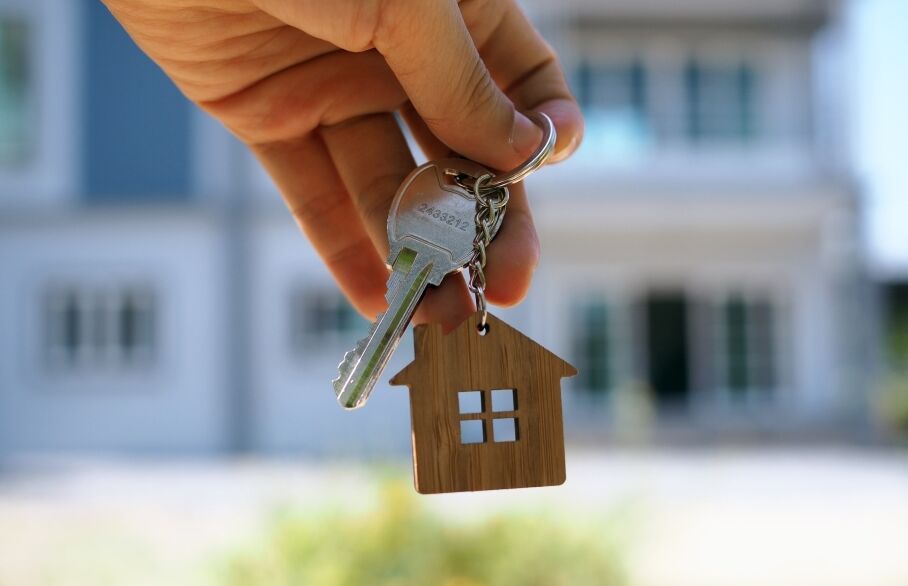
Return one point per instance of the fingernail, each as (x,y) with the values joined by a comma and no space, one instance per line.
(566,151)
(526,135)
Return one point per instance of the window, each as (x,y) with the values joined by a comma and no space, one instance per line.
(99,327)
(15,103)
(719,102)
(745,347)
(320,317)
(591,347)
(614,101)
(488,415)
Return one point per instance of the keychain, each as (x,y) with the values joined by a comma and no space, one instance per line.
(485,400)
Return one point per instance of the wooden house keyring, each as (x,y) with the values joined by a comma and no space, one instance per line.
(485,408)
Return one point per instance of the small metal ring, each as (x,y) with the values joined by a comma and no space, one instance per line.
(478,190)
(536,160)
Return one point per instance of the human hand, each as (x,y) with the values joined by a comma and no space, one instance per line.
(311,86)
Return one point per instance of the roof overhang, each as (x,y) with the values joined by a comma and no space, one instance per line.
(624,13)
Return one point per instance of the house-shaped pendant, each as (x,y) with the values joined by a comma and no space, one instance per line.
(485,409)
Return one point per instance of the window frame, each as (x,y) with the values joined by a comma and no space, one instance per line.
(50,173)
(778,138)
(98,345)
(696,126)
(608,336)
(751,392)
(300,338)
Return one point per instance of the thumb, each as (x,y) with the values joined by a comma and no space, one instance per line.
(429,49)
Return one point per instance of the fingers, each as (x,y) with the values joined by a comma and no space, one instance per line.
(514,253)
(430,50)
(523,64)
(312,189)
(430,145)
(448,304)
(326,90)
(373,159)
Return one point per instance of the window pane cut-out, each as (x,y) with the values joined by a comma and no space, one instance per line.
(472,431)
(504,429)
(469,402)
(504,400)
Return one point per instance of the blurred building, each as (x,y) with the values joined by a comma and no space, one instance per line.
(701,264)
(704,250)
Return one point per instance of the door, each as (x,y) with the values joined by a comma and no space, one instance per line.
(668,354)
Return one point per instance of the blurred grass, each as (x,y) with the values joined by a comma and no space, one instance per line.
(397,542)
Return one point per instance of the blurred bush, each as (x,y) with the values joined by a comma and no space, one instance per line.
(399,543)
(894,403)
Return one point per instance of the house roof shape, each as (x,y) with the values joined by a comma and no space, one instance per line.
(430,338)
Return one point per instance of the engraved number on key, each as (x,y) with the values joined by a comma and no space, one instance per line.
(430,236)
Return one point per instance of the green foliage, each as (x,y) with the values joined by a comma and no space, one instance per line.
(894,400)
(399,543)
(898,340)
(894,404)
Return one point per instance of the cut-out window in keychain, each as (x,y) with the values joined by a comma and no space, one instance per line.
(485,400)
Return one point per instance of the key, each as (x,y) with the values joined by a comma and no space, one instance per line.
(430,235)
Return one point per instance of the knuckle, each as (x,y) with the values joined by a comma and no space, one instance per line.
(317,207)
(470,104)
(390,23)
(353,249)
(365,24)
(480,91)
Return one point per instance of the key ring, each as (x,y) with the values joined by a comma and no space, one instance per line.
(536,160)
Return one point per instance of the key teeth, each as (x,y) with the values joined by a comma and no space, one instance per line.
(391,286)
(346,366)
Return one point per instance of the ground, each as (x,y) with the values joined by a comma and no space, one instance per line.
(799,517)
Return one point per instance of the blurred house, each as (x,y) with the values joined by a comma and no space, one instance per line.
(704,251)
(701,253)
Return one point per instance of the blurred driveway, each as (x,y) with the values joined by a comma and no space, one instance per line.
(824,517)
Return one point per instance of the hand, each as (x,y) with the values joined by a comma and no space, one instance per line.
(310,86)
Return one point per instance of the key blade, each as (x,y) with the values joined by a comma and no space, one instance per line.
(401,268)
(361,367)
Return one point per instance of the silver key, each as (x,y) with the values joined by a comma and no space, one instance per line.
(430,234)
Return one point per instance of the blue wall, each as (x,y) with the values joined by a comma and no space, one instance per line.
(137,141)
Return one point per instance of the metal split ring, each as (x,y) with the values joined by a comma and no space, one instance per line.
(489,183)
(536,160)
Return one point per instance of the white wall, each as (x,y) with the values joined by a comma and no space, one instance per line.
(295,403)
(622,245)
(175,404)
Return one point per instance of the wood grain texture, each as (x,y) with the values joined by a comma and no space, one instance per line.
(464,360)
